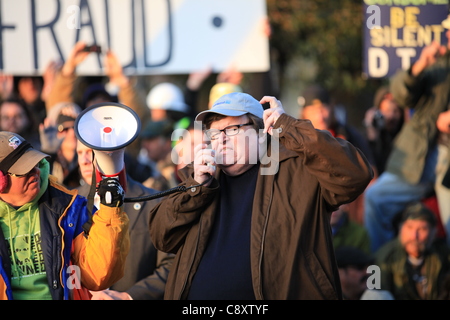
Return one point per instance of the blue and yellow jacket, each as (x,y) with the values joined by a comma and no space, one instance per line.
(99,251)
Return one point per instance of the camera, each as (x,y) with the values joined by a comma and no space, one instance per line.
(93,48)
(378,120)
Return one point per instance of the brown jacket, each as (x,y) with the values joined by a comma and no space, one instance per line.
(292,255)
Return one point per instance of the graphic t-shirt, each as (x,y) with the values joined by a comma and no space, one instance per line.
(22,232)
(23,236)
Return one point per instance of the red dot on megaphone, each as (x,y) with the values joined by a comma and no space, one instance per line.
(107,129)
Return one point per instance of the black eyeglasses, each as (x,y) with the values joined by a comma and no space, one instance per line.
(232,130)
(21,175)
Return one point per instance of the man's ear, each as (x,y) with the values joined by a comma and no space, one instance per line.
(3,182)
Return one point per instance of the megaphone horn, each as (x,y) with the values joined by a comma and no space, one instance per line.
(107,128)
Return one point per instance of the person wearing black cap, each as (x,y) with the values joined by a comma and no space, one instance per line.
(48,250)
(353,264)
(254,222)
(414,264)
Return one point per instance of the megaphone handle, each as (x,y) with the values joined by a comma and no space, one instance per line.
(120,175)
(108,197)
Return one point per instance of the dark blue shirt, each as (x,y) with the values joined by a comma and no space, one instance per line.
(224,272)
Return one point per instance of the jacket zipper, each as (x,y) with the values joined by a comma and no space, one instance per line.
(262,244)
(54,269)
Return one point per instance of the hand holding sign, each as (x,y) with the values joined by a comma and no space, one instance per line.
(76,56)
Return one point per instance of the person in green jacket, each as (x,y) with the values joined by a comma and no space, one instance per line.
(410,173)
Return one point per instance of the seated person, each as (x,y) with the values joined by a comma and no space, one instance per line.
(414,264)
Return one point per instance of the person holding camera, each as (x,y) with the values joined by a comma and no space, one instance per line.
(382,122)
(66,88)
(418,150)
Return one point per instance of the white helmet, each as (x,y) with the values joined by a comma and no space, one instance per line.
(167,96)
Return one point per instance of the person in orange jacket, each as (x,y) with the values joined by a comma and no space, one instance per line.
(52,247)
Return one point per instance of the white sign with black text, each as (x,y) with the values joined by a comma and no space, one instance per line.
(148,36)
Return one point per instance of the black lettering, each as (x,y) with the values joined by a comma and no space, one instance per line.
(38,241)
(36,28)
(84,5)
(133,62)
(2,26)
(108,29)
(29,269)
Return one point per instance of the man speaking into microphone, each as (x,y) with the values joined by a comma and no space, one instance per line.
(248,232)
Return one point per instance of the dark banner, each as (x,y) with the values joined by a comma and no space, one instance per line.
(395,32)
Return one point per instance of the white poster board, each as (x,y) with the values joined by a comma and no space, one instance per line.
(148,36)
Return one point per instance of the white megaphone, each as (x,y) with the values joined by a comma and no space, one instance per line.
(107,128)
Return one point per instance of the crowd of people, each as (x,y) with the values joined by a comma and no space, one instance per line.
(274,206)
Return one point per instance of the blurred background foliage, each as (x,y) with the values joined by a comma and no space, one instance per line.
(324,40)
(327,32)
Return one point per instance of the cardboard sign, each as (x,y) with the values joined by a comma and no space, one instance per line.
(148,36)
(395,32)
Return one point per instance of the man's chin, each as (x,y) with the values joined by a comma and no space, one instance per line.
(87,176)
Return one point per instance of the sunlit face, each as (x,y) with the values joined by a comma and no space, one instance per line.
(13,118)
(85,161)
(416,235)
(318,114)
(392,113)
(69,140)
(158,114)
(26,187)
(238,153)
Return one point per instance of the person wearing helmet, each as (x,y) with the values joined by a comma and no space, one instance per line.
(166,101)
(220,89)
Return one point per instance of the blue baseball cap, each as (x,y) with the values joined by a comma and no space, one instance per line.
(234,104)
